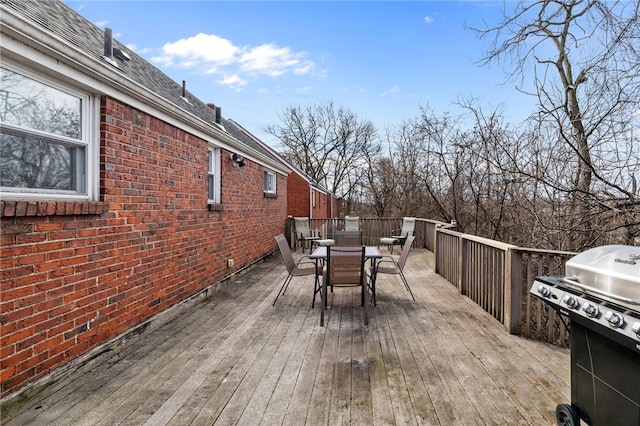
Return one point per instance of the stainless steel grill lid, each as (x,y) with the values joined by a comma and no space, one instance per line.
(612,271)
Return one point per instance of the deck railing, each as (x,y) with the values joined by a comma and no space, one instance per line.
(495,275)
(498,276)
(373,229)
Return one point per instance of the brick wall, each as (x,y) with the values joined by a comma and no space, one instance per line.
(297,196)
(76,275)
(319,210)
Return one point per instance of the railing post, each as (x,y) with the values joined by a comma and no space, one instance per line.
(462,266)
(513,291)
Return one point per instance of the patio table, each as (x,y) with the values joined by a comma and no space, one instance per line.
(320,255)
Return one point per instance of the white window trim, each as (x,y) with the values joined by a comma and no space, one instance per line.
(90,137)
(213,166)
(274,180)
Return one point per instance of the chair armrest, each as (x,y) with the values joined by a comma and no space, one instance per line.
(305,259)
(387,259)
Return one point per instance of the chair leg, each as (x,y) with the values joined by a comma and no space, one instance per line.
(406,284)
(283,288)
(365,305)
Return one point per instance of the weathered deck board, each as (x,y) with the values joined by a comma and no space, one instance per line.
(235,359)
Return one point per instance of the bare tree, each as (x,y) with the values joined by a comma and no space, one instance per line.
(585,62)
(379,189)
(332,145)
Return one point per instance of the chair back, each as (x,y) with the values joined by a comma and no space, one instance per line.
(405,252)
(352,223)
(348,238)
(345,266)
(302,227)
(408,226)
(285,251)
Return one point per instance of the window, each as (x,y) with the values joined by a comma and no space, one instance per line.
(269,182)
(45,139)
(214,176)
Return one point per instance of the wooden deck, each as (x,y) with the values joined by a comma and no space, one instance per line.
(235,359)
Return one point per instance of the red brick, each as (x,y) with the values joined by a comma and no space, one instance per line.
(149,243)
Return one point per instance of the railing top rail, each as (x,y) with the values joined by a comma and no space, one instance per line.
(435,222)
(543,251)
(486,241)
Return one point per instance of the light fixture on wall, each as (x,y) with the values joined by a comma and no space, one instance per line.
(238,159)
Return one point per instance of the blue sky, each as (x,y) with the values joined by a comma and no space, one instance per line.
(380,59)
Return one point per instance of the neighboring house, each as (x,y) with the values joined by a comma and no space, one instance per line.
(122,196)
(305,197)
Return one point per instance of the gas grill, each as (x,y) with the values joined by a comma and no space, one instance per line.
(600,295)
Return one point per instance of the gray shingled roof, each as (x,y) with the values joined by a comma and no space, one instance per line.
(242,134)
(238,132)
(67,24)
(72,27)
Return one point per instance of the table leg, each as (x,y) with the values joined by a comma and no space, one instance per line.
(365,305)
(324,300)
(373,280)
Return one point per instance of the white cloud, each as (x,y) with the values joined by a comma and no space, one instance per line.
(428,19)
(196,50)
(233,81)
(269,60)
(211,54)
(392,89)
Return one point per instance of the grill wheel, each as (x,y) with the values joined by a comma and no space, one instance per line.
(567,416)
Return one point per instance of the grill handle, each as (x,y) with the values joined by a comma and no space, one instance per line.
(575,282)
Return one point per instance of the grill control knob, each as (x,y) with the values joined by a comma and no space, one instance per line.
(571,302)
(615,319)
(636,329)
(591,310)
(544,291)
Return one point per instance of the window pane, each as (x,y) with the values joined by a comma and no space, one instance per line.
(31,104)
(30,162)
(211,188)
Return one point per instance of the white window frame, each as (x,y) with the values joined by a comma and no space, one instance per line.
(270,181)
(213,175)
(89,140)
